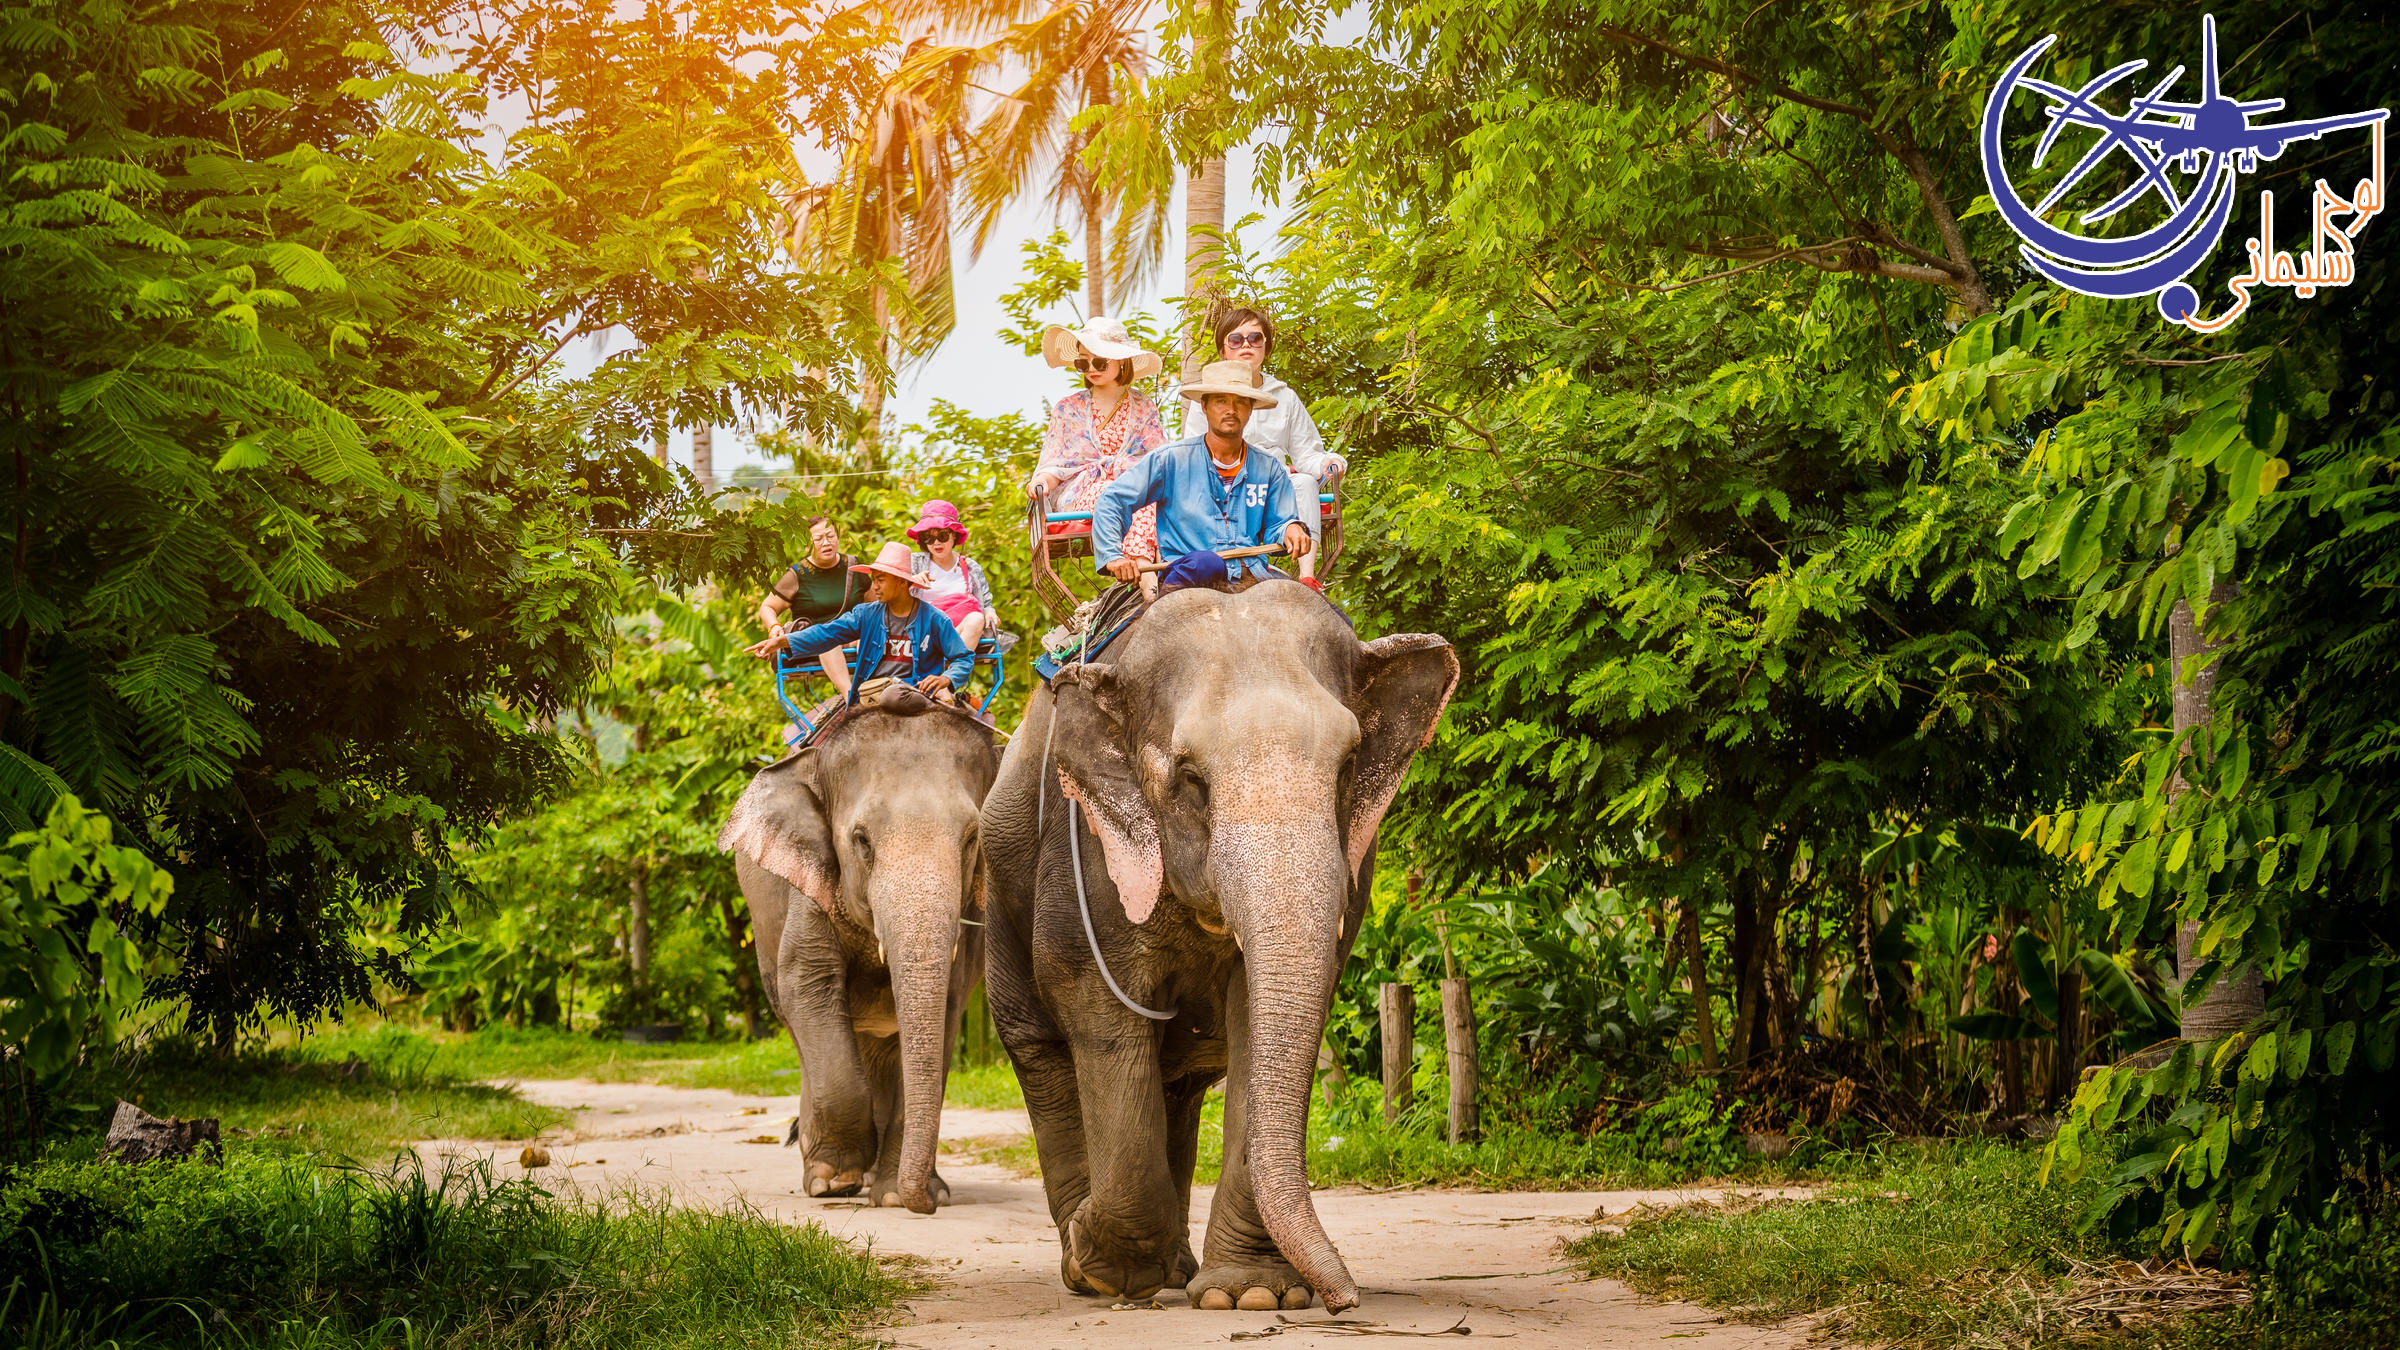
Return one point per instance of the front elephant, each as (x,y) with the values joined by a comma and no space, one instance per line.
(858,856)
(1230,762)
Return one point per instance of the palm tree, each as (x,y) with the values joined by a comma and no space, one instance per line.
(1204,182)
(1077,55)
(891,205)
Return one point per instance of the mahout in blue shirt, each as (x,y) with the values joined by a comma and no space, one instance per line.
(1197,509)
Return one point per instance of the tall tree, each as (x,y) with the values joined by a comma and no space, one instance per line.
(306,533)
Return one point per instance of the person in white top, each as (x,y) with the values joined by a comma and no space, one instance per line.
(1285,430)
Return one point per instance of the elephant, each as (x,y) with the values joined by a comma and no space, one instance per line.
(1227,763)
(858,856)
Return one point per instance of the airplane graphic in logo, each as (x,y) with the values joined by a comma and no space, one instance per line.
(2213,141)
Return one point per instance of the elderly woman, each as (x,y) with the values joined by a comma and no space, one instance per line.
(1096,432)
(1284,430)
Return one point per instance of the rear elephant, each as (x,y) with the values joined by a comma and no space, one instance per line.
(1179,849)
(859,857)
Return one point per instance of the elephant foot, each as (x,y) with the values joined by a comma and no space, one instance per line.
(1252,1288)
(1090,1270)
(886,1194)
(824,1182)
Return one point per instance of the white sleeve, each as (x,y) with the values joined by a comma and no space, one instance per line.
(1303,443)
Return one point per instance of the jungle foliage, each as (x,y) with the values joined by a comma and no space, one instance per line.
(1814,565)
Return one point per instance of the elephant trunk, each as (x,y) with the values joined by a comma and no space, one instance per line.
(919,947)
(1285,884)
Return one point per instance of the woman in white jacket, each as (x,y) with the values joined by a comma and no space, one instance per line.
(1285,431)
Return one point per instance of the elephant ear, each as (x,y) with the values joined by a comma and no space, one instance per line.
(1402,684)
(1094,769)
(780,824)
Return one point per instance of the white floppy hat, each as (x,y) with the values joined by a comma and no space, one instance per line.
(1238,378)
(1103,336)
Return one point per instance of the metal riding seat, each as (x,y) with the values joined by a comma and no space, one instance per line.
(991,651)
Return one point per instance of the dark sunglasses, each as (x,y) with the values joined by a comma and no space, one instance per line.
(935,536)
(1089,364)
(1245,340)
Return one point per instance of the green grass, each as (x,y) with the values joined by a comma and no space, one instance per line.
(296,1103)
(761,1068)
(1942,1245)
(274,1251)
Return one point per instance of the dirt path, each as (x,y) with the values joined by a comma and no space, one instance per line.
(1424,1258)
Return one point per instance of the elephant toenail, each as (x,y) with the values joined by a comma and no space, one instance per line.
(1296,1296)
(1216,1300)
(1258,1299)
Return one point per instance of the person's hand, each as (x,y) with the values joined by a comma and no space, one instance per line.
(936,685)
(778,629)
(1038,484)
(1125,569)
(1335,467)
(1295,539)
(766,648)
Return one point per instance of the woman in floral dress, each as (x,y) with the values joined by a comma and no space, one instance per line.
(1095,433)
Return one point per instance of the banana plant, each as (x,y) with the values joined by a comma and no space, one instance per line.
(2142,1017)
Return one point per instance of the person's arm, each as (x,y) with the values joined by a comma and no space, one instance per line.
(1047,474)
(1133,489)
(1150,432)
(958,662)
(839,631)
(1282,511)
(980,587)
(854,594)
(1305,443)
(771,611)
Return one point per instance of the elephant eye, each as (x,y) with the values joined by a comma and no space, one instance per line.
(1189,779)
(860,846)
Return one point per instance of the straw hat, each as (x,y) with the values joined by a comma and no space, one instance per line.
(1239,378)
(892,561)
(1103,336)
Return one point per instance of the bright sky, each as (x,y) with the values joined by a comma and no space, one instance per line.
(974,368)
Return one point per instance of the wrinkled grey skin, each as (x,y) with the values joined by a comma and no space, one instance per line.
(859,859)
(1233,756)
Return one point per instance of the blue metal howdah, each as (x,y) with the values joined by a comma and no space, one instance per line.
(789,667)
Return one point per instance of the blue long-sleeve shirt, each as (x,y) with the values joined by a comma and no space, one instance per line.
(1197,509)
(931,645)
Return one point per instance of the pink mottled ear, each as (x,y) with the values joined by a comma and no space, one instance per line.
(779,823)
(1402,684)
(1094,770)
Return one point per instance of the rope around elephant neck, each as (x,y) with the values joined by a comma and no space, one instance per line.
(1084,903)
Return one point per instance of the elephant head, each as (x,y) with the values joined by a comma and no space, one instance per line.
(877,825)
(1237,754)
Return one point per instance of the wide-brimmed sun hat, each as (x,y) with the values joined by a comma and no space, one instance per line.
(1238,378)
(1103,336)
(938,515)
(892,561)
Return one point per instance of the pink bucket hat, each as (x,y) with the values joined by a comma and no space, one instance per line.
(938,515)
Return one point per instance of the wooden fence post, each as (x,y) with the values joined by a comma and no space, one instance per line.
(1398,1005)
(1458,1032)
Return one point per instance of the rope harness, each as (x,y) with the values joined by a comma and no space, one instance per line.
(1083,903)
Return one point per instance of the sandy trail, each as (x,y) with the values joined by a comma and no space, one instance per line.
(1424,1259)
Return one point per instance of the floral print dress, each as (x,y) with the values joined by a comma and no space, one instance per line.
(1087,457)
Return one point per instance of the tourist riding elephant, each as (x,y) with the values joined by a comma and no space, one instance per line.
(858,856)
(1228,759)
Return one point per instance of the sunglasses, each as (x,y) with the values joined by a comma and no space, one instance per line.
(1089,364)
(935,536)
(1245,340)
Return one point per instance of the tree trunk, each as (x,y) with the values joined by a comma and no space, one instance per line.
(2237,996)
(1398,1005)
(1095,209)
(1458,1035)
(658,444)
(1703,1016)
(745,969)
(2067,1067)
(637,926)
(704,456)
